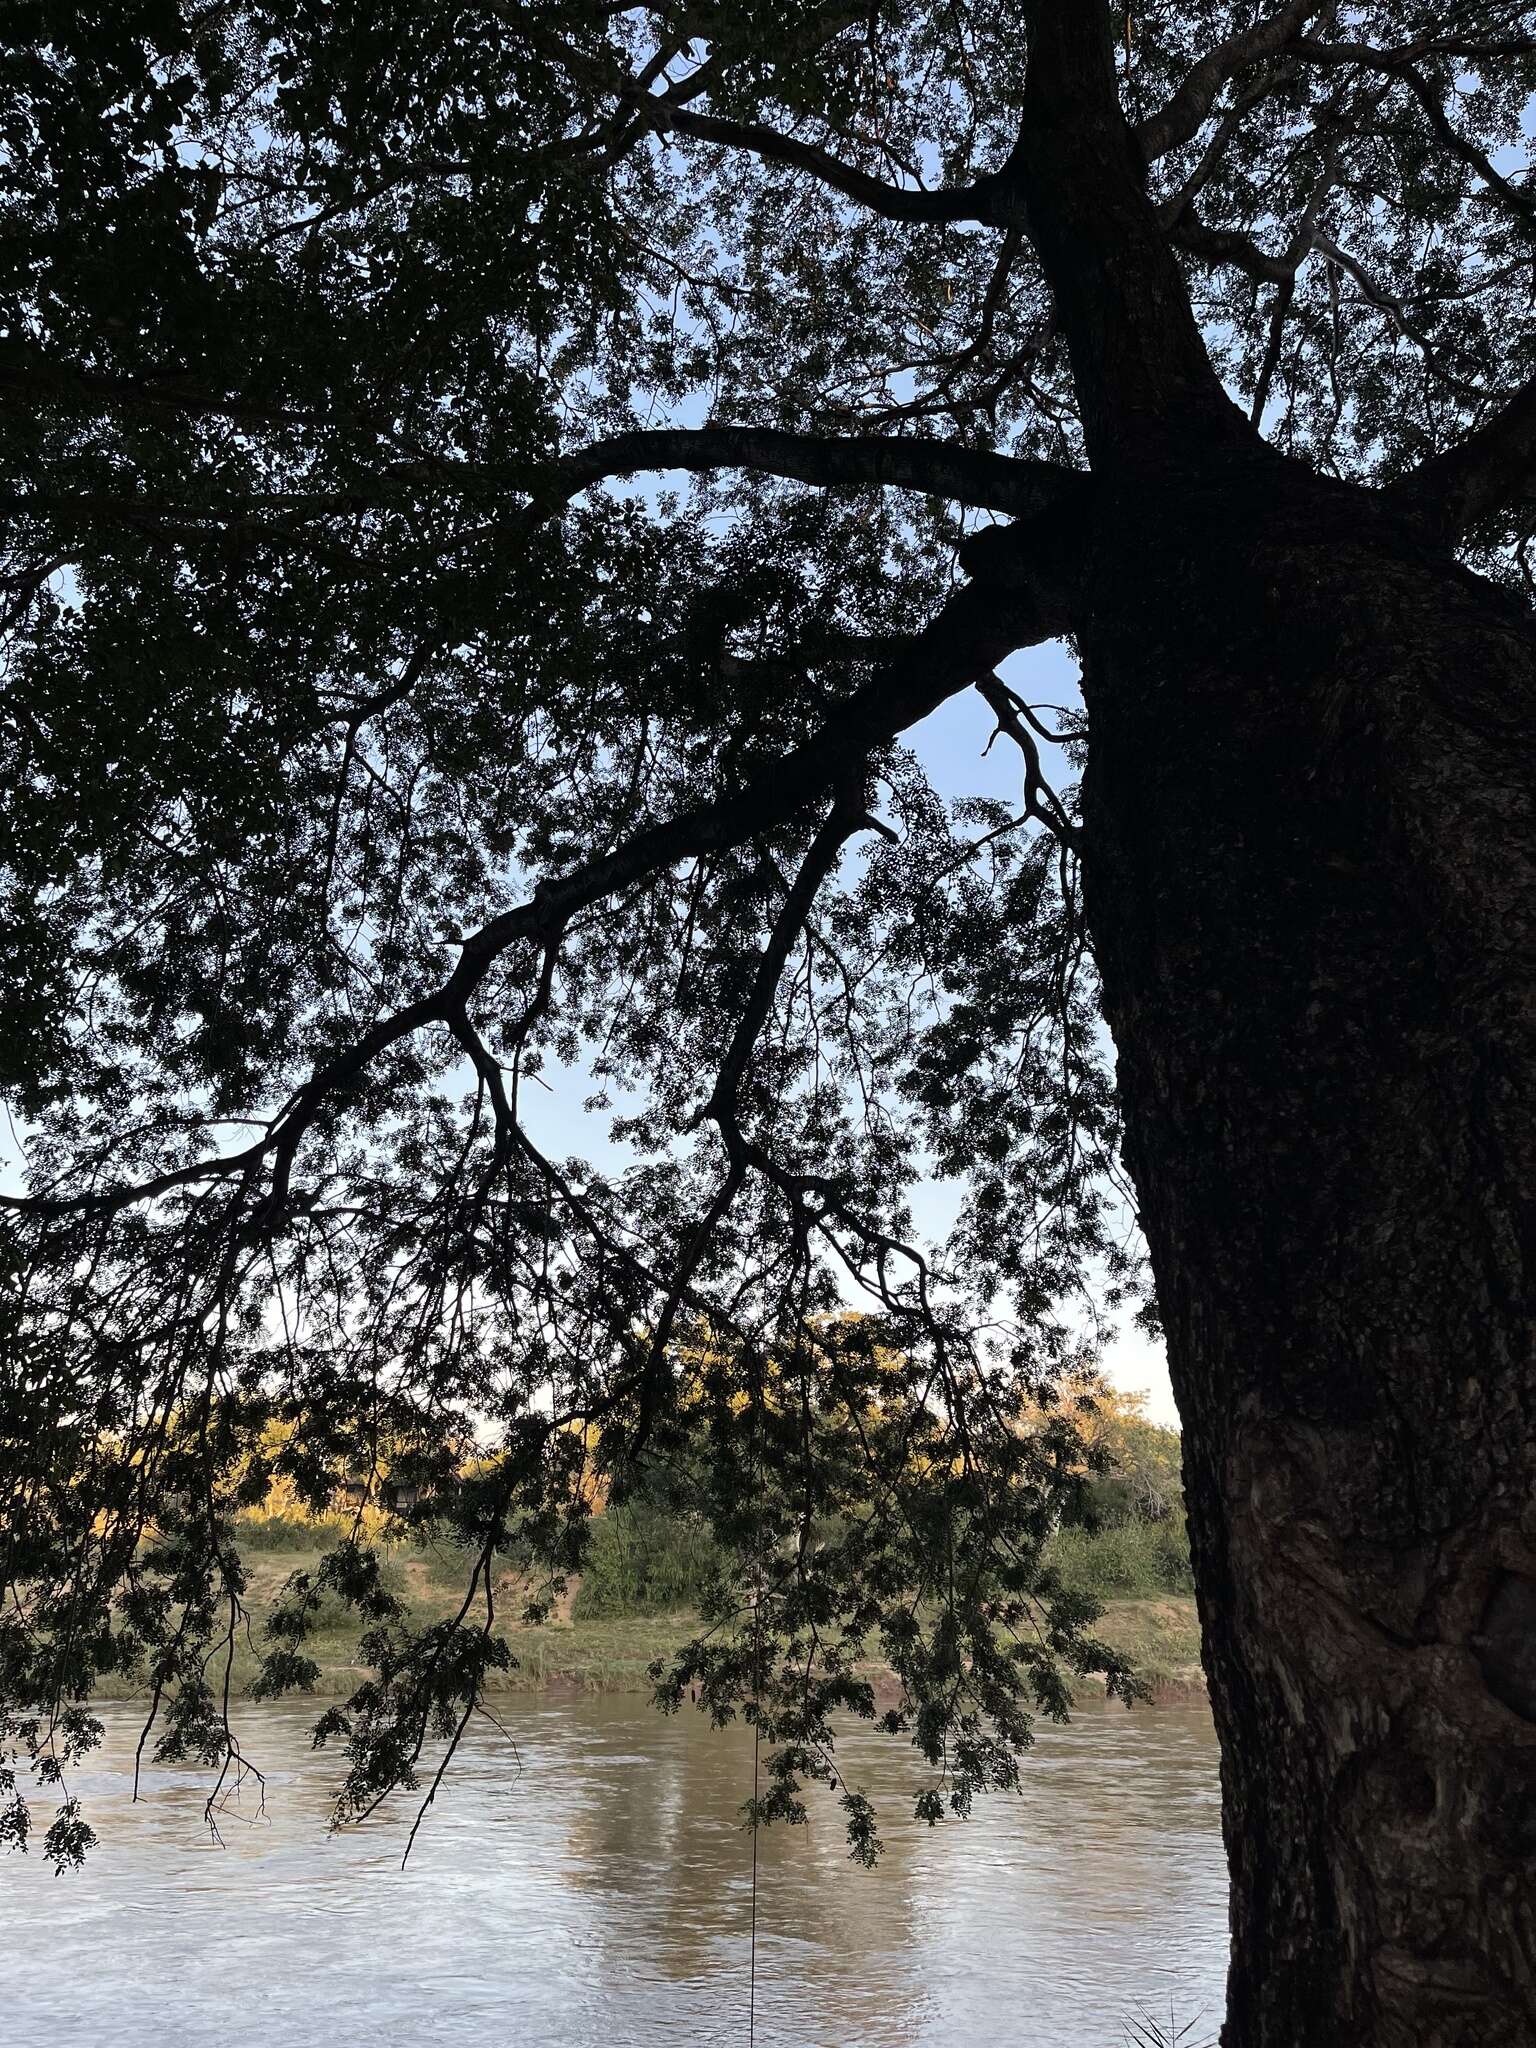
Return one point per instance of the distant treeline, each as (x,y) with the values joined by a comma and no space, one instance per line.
(1128,1541)
(650,1555)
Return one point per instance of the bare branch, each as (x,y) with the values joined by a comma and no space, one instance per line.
(1040,801)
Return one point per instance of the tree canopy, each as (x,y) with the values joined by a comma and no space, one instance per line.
(488,491)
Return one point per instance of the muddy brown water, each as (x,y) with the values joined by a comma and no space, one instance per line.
(600,1895)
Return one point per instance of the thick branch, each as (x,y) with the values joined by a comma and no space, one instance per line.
(1181,117)
(1492,468)
(1144,379)
(1229,245)
(973,476)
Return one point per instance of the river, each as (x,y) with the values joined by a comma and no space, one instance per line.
(600,1896)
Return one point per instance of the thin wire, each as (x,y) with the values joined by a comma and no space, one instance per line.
(757,1736)
(757,1743)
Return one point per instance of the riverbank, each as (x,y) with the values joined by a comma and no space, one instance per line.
(612,1654)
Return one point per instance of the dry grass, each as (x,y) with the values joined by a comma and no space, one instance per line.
(590,1656)
(1143,2031)
(1162,1639)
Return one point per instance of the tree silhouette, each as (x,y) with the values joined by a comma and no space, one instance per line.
(376,757)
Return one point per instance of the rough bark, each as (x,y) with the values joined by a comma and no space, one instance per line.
(1310,853)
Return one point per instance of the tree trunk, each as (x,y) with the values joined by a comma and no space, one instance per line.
(1310,855)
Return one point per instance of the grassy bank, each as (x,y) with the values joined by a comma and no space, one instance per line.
(608,1655)
(1162,1639)
(651,1557)
(606,1652)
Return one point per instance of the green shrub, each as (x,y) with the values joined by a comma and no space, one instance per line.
(288,1532)
(644,1560)
(447,1561)
(1134,1560)
(330,1613)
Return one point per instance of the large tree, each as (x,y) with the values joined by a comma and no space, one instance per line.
(375,756)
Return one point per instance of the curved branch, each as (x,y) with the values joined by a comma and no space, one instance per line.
(845,818)
(891,202)
(1372,59)
(1174,204)
(973,476)
(1229,245)
(1181,118)
(1006,706)
(975,630)
(979,477)
(1401,63)
(1378,296)
(1464,148)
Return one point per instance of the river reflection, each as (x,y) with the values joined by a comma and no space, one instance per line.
(603,1895)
